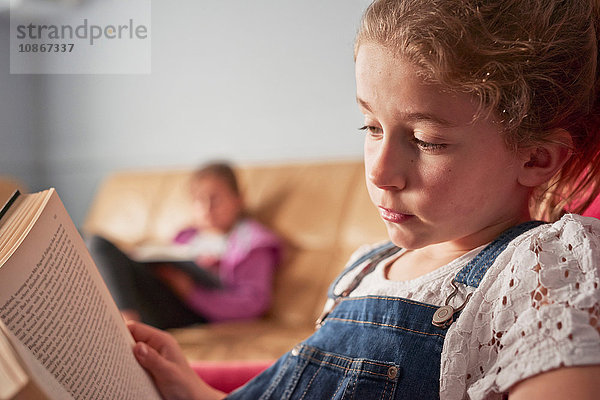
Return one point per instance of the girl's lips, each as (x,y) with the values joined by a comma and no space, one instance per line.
(393,216)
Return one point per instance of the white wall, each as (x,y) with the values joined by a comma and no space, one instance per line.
(251,81)
(19,144)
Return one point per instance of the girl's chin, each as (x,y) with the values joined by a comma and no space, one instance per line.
(405,239)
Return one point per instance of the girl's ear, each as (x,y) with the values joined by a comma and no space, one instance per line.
(540,162)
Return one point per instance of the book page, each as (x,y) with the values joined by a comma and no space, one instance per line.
(53,300)
(162,252)
(35,373)
(13,377)
(17,221)
(205,244)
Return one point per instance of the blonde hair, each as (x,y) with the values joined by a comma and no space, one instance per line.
(533,63)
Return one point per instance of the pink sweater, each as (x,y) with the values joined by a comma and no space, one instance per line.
(246,271)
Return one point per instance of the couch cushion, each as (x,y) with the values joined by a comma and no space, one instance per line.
(261,339)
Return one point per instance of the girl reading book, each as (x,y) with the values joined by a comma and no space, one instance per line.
(230,274)
(481,130)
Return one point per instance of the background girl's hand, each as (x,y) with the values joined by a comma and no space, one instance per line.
(179,281)
(161,356)
(208,261)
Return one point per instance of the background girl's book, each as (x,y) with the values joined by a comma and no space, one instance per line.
(179,256)
(59,318)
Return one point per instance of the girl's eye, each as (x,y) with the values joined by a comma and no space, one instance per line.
(430,147)
(372,130)
(425,146)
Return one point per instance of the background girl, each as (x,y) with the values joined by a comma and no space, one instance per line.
(235,260)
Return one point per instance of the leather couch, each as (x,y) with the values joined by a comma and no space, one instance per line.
(321,210)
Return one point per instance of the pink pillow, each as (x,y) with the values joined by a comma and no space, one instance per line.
(229,375)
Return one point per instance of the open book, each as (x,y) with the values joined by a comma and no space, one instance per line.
(183,257)
(61,335)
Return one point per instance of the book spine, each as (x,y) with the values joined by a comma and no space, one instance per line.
(9,203)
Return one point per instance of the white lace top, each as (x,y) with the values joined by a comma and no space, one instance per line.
(537,308)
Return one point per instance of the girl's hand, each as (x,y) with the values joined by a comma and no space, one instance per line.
(179,282)
(210,262)
(161,356)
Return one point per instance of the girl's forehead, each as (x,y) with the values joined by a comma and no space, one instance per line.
(211,183)
(208,181)
(376,65)
(389,84)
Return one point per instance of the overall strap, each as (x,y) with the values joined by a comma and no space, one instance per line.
(383,251)
(472,273)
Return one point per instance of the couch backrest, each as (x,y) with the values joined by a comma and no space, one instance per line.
(322,211)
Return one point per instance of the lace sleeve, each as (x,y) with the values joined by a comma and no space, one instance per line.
(545,308)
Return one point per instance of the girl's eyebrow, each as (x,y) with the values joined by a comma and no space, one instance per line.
(415,116)
(363,104)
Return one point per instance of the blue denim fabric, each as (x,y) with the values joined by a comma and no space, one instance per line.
(370,255)
(473,272)
(368,348)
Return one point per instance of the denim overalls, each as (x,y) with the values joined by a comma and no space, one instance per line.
(373,347)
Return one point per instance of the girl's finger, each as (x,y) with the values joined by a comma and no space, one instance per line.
(158,366)
(152,336)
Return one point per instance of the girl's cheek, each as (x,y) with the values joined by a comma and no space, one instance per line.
(438,173)
(370,156)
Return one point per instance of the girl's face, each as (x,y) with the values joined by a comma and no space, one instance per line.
(436,174)
(216,206)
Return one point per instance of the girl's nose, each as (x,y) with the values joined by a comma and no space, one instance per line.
(386,167)
(211,204)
